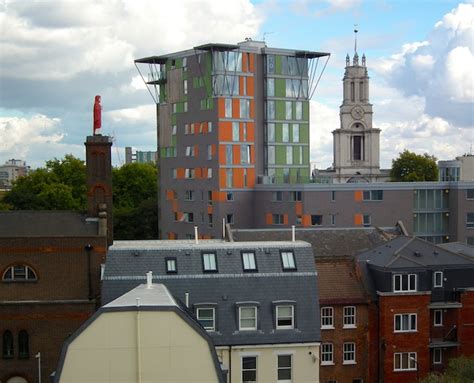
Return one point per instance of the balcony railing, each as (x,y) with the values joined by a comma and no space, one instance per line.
(445,296)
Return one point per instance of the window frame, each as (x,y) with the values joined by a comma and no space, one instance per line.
(327,353)
(277,317)
(242,256)
(401,276)
(352,315)
(438,323)
(402,322)
(280,368)
(29,272)
(23,345)
(255,318)
(327,317)
(213,310)
(349,355)
(248,369)
(470,220)
(174,261)
(438,359)
(8,345)
(288,264)
(409,360)
(437,283)
(203,257)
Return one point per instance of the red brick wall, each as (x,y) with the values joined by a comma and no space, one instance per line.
(466,324)
(418,341)
(54,306)
(340,335)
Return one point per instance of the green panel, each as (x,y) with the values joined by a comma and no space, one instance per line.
(280,110)
(173,119)
(173,140)
(306,110)
(279,175)
(185,76)
(278,132)
(277,64)
(163,152)
(179,107)
(280,87)
(211,103)
(179,63)
(280,155)
(304,133)
(196,82)
(305,154)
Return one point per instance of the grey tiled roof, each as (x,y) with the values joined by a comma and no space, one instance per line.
(325,241)
(127,265)
(23,223)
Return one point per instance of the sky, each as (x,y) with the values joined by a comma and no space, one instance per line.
(55,56)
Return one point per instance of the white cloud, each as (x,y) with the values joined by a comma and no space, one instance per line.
(140,114)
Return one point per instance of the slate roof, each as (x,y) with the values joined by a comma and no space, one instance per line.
(326,242)
(338,282)
(24,223)
(129,261)
(411,252)
(459,247)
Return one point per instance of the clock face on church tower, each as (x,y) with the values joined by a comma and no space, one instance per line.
(357,112)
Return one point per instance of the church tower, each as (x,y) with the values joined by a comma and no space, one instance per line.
(356,142)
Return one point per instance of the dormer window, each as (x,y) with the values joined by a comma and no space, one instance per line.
(404,282)
(248,261)
(438,279)
(171,266)
(288,260)
(19,273)
(209,263)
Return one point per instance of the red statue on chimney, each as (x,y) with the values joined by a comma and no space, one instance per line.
(97,114)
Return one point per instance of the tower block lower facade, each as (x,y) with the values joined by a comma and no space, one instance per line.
(99,181)
(356,142)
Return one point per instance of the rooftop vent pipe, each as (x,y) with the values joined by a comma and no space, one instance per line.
(196,237)
(149,279)
(293,233)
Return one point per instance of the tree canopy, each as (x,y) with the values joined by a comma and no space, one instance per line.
(412,167)
(460,370)
(61,185)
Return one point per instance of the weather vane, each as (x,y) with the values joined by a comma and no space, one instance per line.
(356,29)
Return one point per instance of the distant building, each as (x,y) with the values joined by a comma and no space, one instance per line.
(10,171)
(139,156)
(258,301)
(144,335)
(460,169)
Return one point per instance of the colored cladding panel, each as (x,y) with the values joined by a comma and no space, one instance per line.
(358,219)
(245,63)
(252,109)
(169,194)
(236,154)
(278,132)
(304,133)
(250,131)
(221,107)
(235,108)
(306,220)
(306,110)
(222,156)
(209,209)
(172,235)
(242,79)
(213,150)
(174,205)
(238,178)
(285,219)
(280,111)
(250,86)
(250,178)
(252,62)
(277,64)
(225,131)
(280,155)
(196,150)
(280,87)
(180,173)
(198,172)
(299,208)
(222,178)
(268,218)
(358,195)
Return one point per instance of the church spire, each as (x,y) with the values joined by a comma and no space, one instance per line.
(355,61)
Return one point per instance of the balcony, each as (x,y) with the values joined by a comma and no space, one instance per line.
(156,78)
(449,338)
(442,299)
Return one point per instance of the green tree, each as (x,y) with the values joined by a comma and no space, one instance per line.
(60,185)
(412,167)
(460,370)
(135,201)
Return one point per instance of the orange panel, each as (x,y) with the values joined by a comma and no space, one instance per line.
(222,178)
(198,172)
(235,108)
(250,131)
(222,154)
(225,131)
(252,109)
(241,85)
(250,86)
(252,63)
(307,220)
(358,219)
(244,63)
(236,154)
(180,216)
(268,218)
(238,178)
(197,127)
(169,194)
(358,195)
(285,219)
(205,127)
(213,150)
(209,209)
(221,107)
(222,196)
(299,208)
(180,173)
(174,205)
(196,150)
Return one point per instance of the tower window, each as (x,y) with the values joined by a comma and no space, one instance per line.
(7,344)
(352,91)
(357,148)
(23,345)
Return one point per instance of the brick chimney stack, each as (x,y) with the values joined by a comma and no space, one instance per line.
(99,181)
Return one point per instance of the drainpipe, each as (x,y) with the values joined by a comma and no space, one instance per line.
(293,234)
(88,249)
